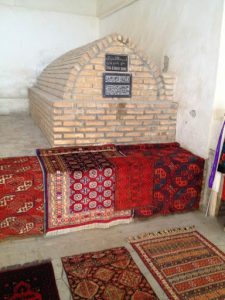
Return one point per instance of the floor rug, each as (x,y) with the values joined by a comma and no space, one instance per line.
(110,275)
(185,264)
(21,197)
(35,282)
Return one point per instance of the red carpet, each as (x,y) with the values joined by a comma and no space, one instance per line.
(80,186)
(34,283)
(21,197)
(134,182)
(185,264)
(177,177)
(110,275)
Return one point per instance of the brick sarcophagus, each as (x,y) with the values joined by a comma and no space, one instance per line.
(104,92)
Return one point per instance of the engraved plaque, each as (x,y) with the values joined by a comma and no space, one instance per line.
(117,85)
(118,63)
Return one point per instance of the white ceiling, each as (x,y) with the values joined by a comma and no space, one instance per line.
(107,7)
(80,7)
(95,8)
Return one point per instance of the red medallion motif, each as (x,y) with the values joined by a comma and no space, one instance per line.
(23,291)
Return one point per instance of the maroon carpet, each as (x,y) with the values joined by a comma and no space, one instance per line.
(35,282)
(110,275)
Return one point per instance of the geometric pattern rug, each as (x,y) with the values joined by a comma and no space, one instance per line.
(36,282)
(185,264)
(110,275)
(79,187)
(21,197)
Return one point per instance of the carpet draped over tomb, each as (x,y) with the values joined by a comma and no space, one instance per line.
(80,185)
(177,177)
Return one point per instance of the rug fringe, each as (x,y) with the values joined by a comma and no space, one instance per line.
(89,226)
(161,233)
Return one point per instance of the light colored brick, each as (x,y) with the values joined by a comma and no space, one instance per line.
(57,111)
(63,142)
(73,135)
(133,122)
(64,117)
(114,134)
(103,141)
(125,128)
(63,104)
(57,136)
(57,123)
(107,117)
(86,117)
(86,129)
(85,141)
(95,111)
(133,134)
(72,123)
(142,128)
(112,123)
(63,129)
(105,129)
(135,111)
(94,123)
(94,135)
(127,117)
(145,117)
(124,139)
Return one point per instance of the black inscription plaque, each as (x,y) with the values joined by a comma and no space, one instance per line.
(117,85)
(115,62)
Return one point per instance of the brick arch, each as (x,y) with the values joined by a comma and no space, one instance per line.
(102,46)
(67,101)
(73,62)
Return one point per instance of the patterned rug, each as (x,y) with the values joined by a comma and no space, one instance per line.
(21,197)
(109,275)
(80,188)
(134,182)
(185,264)
(177,177)
(34,282)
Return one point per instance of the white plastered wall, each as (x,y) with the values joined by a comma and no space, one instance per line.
(219,98)
(30,40)
(188,32)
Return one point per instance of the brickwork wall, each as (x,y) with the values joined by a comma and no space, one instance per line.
(68,106)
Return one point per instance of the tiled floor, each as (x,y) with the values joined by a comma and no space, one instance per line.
(19,136)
